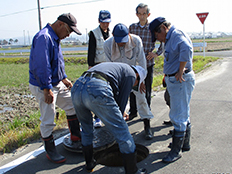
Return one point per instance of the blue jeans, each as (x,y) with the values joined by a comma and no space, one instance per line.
(96,95)
(180,96)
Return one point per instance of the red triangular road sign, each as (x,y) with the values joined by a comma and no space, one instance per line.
(202,17)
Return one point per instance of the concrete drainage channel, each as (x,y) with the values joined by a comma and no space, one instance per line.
(111,156)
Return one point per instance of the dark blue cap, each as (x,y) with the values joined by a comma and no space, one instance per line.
(104,16)
(154,26)
(121,33)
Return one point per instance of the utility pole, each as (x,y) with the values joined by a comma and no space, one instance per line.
(29,40)
(24,37)
(86,36)
(40,26)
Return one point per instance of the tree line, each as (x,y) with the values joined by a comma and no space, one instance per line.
(10,41)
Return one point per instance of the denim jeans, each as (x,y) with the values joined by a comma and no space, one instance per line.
(180,96)
(96,95)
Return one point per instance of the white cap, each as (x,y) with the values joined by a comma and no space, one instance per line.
(142,73)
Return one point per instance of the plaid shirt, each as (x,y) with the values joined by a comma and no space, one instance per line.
(145,35)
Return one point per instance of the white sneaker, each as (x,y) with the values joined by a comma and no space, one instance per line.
(97,123)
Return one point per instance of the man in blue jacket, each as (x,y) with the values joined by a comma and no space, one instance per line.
(180,80)
(49,83)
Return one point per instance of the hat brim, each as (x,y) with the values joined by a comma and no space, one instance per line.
(123,39)
(75,30)
(105,20)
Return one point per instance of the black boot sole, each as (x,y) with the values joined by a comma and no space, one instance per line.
(57,162)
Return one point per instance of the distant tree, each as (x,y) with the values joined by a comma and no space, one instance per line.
(16,41)
(10,41)
(5,42)
(1,42)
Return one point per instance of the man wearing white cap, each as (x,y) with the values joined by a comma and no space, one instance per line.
(97,38)
(104,90)
(128,48)
(48,82)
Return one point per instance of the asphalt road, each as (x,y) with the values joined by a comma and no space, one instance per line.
(211,149)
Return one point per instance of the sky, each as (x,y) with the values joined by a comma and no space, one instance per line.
(19,18)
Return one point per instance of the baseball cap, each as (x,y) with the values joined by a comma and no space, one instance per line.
(142,73)
(104,16)
(121,33)
(69,19)
(154,26)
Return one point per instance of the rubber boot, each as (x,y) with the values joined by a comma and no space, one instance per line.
(147,129)
(74,127)
(73,143)
(89,160)
(177,142)
(129,163)
(186,145)
(50,148)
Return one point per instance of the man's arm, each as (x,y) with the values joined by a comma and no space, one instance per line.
(91,49)
(42,69)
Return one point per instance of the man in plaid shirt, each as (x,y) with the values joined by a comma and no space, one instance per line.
(142,29)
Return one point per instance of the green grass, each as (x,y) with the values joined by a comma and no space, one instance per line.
(24,129)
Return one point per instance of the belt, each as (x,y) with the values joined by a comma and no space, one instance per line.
(185,72)
(97,75)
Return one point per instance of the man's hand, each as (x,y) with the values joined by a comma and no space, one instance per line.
(48,96)
(179,76)
(151,55)
(126,116)
(67,83)
(142,88)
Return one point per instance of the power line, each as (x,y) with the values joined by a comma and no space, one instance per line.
(70,4)
(48,7)
(18,12)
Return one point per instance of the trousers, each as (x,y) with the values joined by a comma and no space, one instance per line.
(62,98)
(90,94)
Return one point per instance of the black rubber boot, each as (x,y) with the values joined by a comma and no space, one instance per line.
(89,160)
(50,148)
(73,142)
(147,129)
(129,163)
(74,127)
(177,142)
(186,145)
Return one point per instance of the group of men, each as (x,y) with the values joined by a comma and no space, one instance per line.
(118,67)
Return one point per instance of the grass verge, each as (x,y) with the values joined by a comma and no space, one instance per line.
(23,129)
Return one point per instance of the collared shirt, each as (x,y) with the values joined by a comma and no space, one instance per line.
(178,48)
(145,35)
(46,64)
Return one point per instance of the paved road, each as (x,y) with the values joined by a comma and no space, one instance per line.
(211,149)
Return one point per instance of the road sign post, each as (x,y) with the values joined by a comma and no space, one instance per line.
(202,17)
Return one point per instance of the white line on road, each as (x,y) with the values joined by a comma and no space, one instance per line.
(27,157)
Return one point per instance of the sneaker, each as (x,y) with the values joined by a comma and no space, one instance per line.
(97,123)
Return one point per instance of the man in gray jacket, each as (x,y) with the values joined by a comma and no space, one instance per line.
(128,48)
